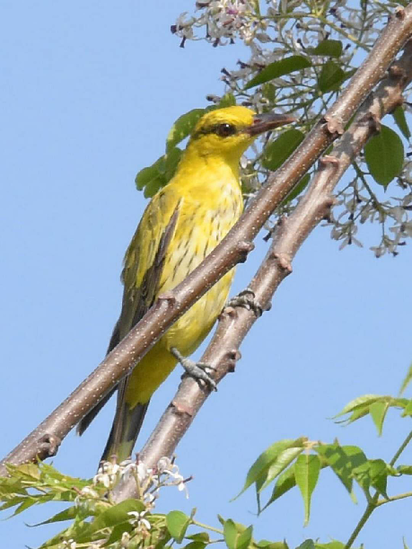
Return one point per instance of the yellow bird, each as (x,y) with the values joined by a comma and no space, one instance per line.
(182,224)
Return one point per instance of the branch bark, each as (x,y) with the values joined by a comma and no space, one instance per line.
(290,234)
(45,439)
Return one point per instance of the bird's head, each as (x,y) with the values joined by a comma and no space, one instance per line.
(230,131)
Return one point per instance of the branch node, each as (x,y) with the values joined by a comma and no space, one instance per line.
(330,201)
(181,409)
(374,122)
(244,247)
(284,261)
(169,297)
(328,160)
(228,311)
(400,13)
(233,356)
(49,445)
(396,71)
(334,125)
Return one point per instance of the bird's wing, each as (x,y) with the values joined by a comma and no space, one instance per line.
(143,266)
(145,258)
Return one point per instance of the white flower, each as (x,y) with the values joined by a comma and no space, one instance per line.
(69,544)
(89,492)
(137,519)
(107,474)
(124,542)
(149,498)
(164,465)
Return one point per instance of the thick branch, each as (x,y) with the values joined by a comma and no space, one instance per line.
(45,439)
(234,324)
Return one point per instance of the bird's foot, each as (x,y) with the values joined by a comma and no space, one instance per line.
(246,299)
(196,370)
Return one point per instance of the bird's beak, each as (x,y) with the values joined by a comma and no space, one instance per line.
(268,121)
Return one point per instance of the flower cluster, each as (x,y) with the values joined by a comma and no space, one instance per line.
(149,481)
(357,204)
(224,21)
(140,525)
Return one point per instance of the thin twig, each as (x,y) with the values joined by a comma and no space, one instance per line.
(374,501)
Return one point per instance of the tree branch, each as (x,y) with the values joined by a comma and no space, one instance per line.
(234,324)
(45,439)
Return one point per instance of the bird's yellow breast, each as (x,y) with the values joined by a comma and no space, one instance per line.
(206,214)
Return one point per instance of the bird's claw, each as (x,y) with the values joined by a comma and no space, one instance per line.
(196,370)
(246,298)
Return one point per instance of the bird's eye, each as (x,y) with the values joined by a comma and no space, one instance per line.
(224,130)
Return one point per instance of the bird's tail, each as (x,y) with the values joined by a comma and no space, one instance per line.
(123,435)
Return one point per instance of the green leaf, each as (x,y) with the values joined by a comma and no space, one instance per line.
(378,412)
(80,530)
(359,402)
(200,536)
(343,460)
(332,77)
(26,504)
(156,176)
(279,68)
(307,544)
(384,155)
(183,127)
(264,544)
(331,545)
(67,514)
(123,512)
(330,48)
(221,519)
(117,533)
(118,513)
(283,460)
(404,544)
(264,461)
(236,536)
(373,472)
(281,148)
(151,180)
(406,381)
(177,523)
(285,482)
(404,469)
(171,161)
(307,468)
(196,545)
(228,100)
(408,409)
(400,120)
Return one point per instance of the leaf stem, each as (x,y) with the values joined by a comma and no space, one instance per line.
(362,177)
(206,527)
(401,449)
(368,511)
(394,498)
(374,503)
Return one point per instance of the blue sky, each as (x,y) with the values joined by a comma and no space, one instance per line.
(89,92)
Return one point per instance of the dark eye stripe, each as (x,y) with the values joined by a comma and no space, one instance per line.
(222,130)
